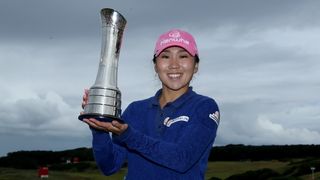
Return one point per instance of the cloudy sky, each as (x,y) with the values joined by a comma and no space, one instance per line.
(260,61)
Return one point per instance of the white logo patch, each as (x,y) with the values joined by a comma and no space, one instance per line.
(168,122)
(215,116)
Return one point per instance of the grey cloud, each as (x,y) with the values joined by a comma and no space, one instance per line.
(59,19)
(264,123)
(48,115)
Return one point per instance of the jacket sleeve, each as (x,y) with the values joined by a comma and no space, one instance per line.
(181,155)
(109,155)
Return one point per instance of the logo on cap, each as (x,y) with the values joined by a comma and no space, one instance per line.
(174,34)
(176,38)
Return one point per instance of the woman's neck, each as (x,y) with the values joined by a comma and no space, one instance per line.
(168,95)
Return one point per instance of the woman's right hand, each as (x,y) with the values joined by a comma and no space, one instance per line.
(85,98)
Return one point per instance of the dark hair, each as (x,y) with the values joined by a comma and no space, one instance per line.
(196,58)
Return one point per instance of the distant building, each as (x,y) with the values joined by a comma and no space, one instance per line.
(43,172)
(76,160)
(68,161)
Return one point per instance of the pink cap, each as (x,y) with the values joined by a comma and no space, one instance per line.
(176,37)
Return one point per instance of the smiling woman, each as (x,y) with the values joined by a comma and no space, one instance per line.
(175,68)
(169,135)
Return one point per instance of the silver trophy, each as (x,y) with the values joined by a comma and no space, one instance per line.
(104,101)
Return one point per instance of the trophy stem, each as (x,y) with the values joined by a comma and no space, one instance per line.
(104,101)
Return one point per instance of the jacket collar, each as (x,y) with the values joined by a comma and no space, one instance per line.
(176,103)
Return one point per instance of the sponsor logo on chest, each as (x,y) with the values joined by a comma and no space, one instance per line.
(168,122)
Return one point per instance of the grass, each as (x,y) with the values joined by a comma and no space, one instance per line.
(221,169)
(224,169)
(308,177)
(15,174)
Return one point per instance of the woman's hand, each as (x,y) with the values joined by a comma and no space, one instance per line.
(114,126)
(85,98)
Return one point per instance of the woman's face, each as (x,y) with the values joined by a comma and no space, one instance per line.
(175,68)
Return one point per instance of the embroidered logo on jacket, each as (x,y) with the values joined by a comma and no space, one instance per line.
(168,122)
(215,116)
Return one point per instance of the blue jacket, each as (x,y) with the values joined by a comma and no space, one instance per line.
(169,143)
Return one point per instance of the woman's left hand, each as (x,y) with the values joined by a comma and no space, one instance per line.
(114,126)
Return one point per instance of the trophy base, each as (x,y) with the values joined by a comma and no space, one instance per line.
(100,118)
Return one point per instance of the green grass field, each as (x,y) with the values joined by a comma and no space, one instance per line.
(215,169)
(225,169)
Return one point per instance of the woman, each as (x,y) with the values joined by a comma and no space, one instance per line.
(169,135)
